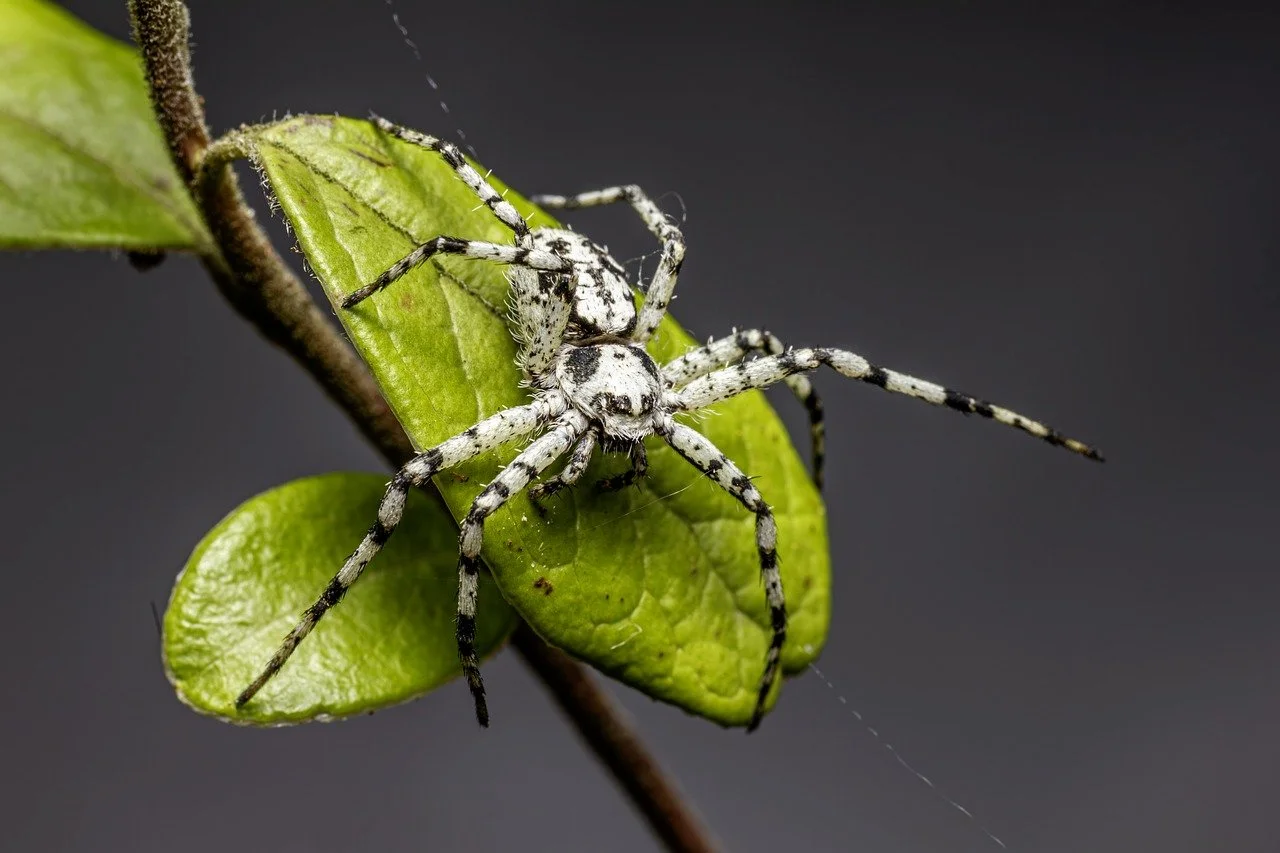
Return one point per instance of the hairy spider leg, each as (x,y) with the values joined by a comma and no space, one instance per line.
(522,256)
(502,209)
(637,470)
(658,294)
(762,372)
(732,349)
(698,450)
(531,462)
(572,471)
(493,431)
(540,303)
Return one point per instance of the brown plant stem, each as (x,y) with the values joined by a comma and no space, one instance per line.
(615,743)
(246,268)
(262,289)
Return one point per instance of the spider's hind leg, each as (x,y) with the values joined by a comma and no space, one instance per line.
(659,291)
(519,256)
(521,253)
(502,209)
(652,216)
(698,450)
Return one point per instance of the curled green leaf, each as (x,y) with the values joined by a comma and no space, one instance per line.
(250,577)
(657,585)
(82,161)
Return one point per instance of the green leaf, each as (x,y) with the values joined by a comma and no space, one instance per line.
(658,586)
(82,160)
(252,575)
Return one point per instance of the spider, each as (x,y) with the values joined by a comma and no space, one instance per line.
(582,352)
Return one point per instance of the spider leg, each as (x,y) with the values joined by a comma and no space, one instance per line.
(486,435)
(502,209)
(654,219)
(698,450)
(658,295)
(639,468)
(541,314)
(521,256)
(532,461)
(761,372)
(572,472)
(729,350)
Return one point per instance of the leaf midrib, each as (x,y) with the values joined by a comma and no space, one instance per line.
(128,177)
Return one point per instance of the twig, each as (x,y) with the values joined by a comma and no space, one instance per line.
(248,271)
(600,724)
(257,283)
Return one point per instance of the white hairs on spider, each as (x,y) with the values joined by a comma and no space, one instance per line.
(582,352)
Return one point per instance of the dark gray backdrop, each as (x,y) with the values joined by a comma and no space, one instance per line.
(1074,213)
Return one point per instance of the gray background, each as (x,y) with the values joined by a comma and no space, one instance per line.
(1071,212)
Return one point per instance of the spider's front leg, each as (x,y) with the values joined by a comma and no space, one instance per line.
(698,450)
(732,349)
(531,462)
(636,471)
(499,429)
(658,296)
(570,474)
(762,372)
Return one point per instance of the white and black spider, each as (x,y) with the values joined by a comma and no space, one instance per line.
(582,351)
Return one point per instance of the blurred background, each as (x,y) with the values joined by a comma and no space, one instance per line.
(1072,212)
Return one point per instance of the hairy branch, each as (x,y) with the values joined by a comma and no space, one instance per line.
(248,271)
(615,743)
(253,278)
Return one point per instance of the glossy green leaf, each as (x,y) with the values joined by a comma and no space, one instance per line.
(658,586)
(82,161)
(391,639)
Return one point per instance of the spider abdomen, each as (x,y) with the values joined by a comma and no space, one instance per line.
(602,299)
(616,385)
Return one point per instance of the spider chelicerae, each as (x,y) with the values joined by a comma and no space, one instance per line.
(582,352)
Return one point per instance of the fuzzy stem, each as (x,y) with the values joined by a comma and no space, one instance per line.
(257,283)
(601,725)
(246,268)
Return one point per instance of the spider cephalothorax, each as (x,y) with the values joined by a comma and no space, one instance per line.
(582,351)
(616,385)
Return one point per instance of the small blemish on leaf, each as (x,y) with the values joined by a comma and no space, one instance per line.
(544,585)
